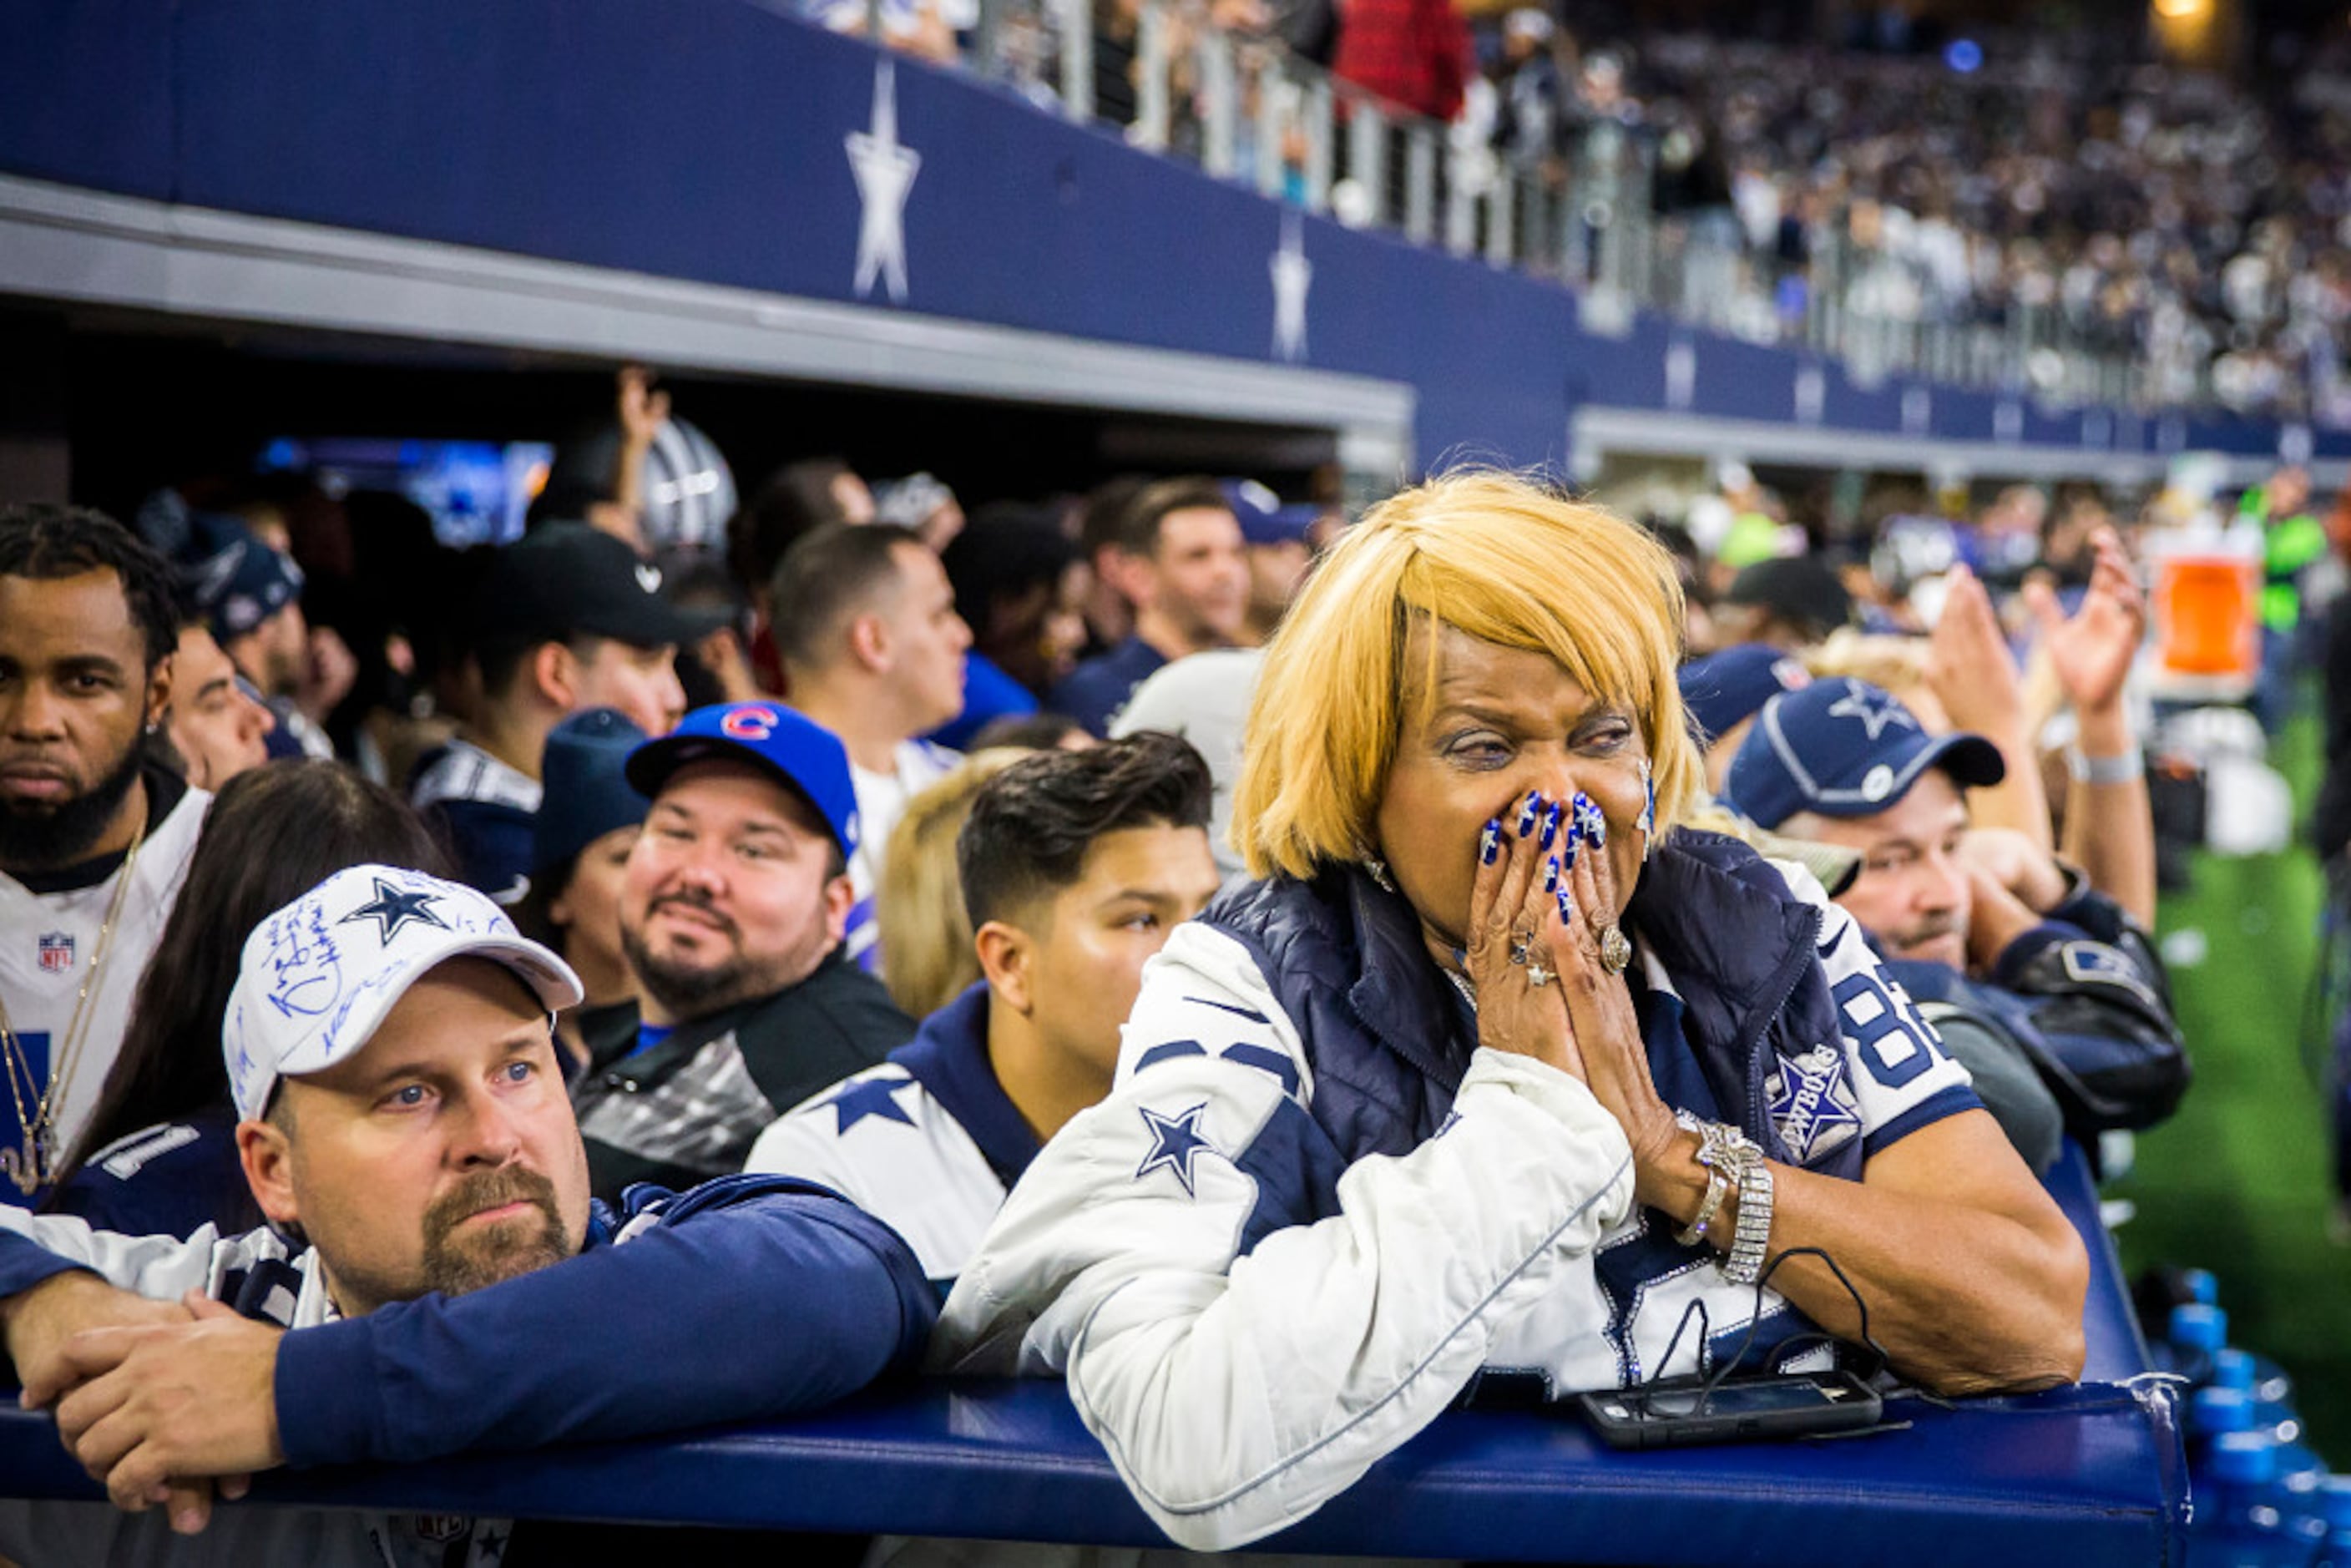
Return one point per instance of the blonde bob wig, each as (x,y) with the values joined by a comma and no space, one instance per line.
(1501,557)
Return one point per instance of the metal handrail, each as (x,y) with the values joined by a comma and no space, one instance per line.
(1243,107)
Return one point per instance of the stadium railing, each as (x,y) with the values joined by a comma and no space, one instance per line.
(1243,107)
(2088,1476)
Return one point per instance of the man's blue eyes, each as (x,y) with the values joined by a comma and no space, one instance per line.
(408,1095)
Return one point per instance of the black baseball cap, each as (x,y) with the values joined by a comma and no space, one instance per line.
(1797,588)
(568,579)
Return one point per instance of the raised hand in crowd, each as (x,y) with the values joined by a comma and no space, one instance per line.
(642,411)
(2091,651)
(1972,676)
(2109,823)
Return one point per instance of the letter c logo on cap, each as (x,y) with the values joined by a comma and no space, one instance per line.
(748,724)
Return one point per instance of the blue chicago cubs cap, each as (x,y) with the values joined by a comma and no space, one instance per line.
(1725,687)
(1844,748)
(802,753)
(585,770)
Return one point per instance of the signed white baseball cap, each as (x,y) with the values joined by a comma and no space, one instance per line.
(318,976)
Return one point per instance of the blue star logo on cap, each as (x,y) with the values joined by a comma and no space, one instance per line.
(1174,1142)
(1876,709)
(390,909)
(874,1097)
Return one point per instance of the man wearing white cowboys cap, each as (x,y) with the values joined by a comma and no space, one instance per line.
(436,1278)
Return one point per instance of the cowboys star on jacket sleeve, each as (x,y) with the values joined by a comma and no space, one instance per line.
(1245,1321)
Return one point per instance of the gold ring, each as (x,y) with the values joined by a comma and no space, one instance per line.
(1616,949)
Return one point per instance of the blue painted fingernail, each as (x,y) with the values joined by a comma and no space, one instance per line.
(1550,875)
(1566,908)
(1550,824)
(1567,850)
(1528,813)
(1489,842)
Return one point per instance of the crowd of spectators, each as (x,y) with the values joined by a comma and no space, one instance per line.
(839,836)
(2064,191)
(2185,219)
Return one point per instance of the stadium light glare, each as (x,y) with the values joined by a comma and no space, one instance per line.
(2182,10)
(1964,55)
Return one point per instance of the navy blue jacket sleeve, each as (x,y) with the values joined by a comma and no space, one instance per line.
(25,1263)
(749,1297)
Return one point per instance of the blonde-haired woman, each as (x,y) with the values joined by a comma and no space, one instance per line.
(1493,1065)
(925,937)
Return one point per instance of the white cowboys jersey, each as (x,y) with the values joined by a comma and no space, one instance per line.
(1249,1319)
(927,1143)
(883,1142)
(47,942)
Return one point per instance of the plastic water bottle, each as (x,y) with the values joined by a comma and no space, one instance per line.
(2335,1509)
(2302,1498)
(2196,1331)
(2238,1400)
(2243,1527)
(2201,1286)
(2211,1411)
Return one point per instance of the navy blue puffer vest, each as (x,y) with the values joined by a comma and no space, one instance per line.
(1346,958)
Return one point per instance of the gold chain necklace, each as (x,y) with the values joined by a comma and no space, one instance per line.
(28,1165)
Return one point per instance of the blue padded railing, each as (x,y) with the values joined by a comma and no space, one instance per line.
(2086,1476)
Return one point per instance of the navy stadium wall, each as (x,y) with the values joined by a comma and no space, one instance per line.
(708,141)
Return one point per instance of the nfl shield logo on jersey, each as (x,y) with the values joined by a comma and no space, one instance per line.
(57,952)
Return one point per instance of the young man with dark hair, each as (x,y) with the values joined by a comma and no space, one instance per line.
(95,834)
(216,725)
(1179,556)
(873,651)
(732,912)
(454,1288)
(566,620)
(1075,867)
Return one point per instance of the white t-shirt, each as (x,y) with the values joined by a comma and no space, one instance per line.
(881,800)
(47,942)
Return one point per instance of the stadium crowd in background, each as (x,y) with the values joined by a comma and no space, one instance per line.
(705,760)
(2057,186)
